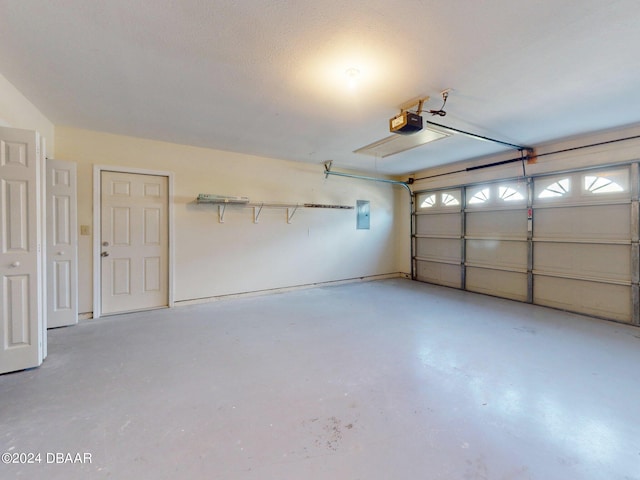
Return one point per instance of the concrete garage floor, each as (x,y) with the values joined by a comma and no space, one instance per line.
(373,381)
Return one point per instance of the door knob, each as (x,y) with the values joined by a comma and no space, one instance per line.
(61,252)
(15,264)
(104,254)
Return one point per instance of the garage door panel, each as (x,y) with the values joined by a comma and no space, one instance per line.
(497,224)
(611,262)
(446,224)
(496,282)
(440,273)
(596,222)
(506,254)
(591,298)
(439,248)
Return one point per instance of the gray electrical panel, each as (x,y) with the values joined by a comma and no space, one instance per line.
(363,214)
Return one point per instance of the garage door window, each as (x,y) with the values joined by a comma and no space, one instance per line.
(450,199)
(559,188)
(481,196)
(504,194)
(511,194)
(582,187)
(599,185)
(606,183)
(440,200)
(428,201)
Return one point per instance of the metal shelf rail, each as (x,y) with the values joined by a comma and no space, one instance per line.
(222,201)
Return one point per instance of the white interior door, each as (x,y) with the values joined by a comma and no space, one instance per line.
(21,326)
(62,244)
(135,242)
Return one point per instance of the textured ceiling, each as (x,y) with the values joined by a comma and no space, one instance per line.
(267,77)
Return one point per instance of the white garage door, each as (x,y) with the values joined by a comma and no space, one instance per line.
(564,241)
(438,238)
(582,243)
(496,240)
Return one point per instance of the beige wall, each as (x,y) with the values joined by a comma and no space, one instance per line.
(402,219)
(18,112)
(238,256)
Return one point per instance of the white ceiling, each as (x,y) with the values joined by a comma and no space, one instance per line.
(267,77)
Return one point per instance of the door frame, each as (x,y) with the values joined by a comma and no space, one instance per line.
(97,229)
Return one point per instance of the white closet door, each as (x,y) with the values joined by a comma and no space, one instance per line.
(21,326)
(62,244)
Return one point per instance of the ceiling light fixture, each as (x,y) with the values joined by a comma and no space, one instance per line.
(352,77)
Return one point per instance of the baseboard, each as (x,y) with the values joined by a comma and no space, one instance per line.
(370,278)
(217,298)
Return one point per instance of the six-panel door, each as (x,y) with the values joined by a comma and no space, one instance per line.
(62,244)
(21,331)
(134,228)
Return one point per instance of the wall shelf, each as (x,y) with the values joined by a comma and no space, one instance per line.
(222,201)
